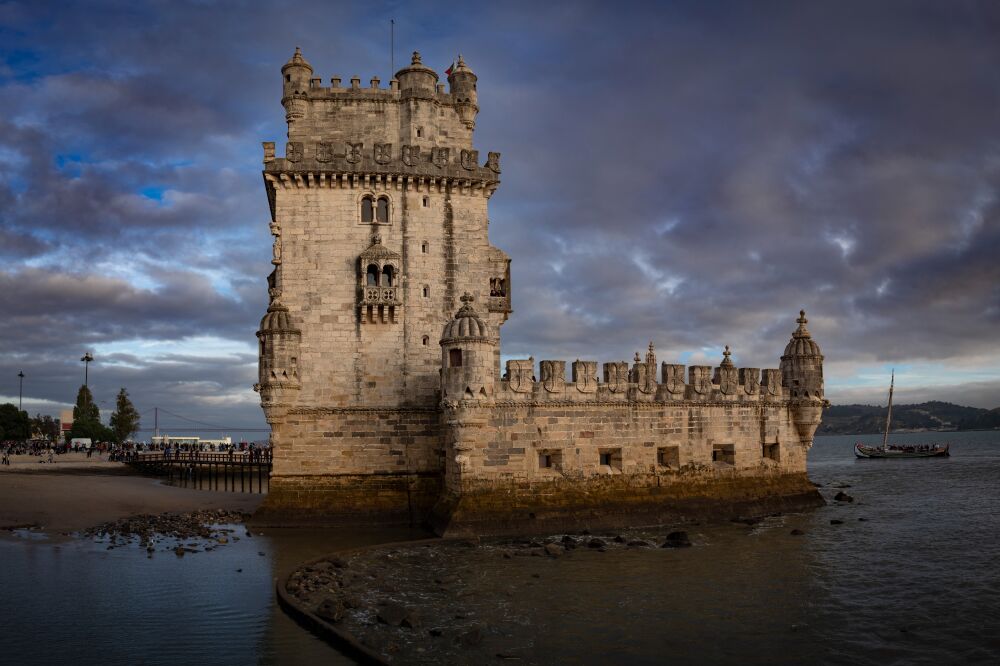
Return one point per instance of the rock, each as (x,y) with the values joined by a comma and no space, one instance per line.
(351,601)
(179,551)
(337,562)
(639,543)
(842,497)
(392,614)
(797,532)
(435,631)
(677,540)
(836,522)
(222,540)
(596,543)
(411,621)
(552,550)
(619,539)
(330,610)
(470,638)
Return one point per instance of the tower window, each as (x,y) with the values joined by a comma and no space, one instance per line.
(387,276)
(372,276)
(425,340)
(427,291)
(420,132)
(424,247)
(366,210)
(454,358)
(427,202)
(382,211)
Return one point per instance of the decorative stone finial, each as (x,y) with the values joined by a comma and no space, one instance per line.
(461,61)
(416,58)
(637,359)
(801,331)
(726,361)
(467,298)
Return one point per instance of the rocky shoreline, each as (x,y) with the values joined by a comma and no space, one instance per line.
(190,532)
(438,601)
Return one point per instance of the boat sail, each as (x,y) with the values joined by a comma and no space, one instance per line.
(887,451)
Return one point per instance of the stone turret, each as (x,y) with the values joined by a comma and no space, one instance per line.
(295,76)
(418,78)
(468,366)
(462,82)
(278,369)
(802,377)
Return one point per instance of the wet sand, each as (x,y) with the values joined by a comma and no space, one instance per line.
(74,493)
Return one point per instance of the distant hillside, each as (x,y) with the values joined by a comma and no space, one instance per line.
(857,419)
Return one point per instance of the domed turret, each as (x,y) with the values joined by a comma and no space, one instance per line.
(295,76)
(296,73)
(278,367)
(417,77)
(462,81)
(802,377)
(802,363)
(467,355)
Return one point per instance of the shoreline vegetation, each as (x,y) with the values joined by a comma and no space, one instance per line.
(934,416)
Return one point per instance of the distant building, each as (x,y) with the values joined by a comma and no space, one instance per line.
(65,421)
(386,405)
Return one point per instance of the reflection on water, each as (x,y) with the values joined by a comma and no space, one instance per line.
(916,582)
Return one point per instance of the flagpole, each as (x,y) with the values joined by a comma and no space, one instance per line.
(392,48)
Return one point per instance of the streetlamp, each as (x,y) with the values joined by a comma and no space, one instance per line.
(87,358)
(20,388)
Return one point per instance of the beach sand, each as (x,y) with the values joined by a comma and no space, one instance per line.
(74,493)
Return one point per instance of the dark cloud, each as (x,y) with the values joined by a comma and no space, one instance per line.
(691,173)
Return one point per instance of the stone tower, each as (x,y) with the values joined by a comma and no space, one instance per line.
(379,212)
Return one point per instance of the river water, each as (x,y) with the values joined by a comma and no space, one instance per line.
(916,582)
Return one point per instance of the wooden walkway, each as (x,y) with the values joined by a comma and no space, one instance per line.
(236,472)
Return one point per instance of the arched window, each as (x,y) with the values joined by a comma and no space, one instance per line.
(372,276)
(382,211)
(387,276)
(426,340)
(366,210)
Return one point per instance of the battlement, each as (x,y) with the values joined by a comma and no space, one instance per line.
(637,384)
(414,112)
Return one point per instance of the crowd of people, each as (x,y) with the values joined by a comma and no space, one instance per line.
(47,451)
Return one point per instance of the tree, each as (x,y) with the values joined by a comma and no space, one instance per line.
(94,430)
(14,424)
(46,426)
(125,420)
(85,409)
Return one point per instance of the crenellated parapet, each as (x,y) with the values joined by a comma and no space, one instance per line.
(675,383)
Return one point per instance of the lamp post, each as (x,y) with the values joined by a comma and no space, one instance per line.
(20,388)
(87,358)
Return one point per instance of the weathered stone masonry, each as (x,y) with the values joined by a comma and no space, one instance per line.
(384,407)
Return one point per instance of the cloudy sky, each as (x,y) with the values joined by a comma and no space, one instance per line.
(692,173)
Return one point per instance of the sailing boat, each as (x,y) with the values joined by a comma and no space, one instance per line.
(892,451)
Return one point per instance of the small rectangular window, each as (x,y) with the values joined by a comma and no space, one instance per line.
(724,454)
(669,457)
(550,459)
(427,201)
(455,358)
(771,452)
(610,460)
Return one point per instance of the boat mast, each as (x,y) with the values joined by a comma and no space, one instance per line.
(888,414)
